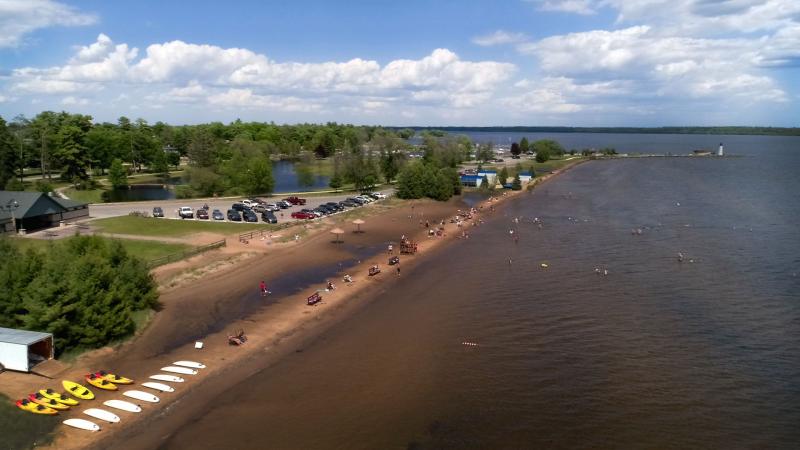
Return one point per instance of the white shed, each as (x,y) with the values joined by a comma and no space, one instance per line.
(21,349)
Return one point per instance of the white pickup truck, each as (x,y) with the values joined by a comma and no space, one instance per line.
(186,212)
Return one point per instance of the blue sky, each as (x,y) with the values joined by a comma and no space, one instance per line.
(455,62)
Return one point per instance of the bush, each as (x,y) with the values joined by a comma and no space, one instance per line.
(43,186)
(183,191)
(15,185)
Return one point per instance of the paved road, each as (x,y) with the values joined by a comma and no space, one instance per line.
(170,207)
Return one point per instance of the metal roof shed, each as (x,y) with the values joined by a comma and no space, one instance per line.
(21,349)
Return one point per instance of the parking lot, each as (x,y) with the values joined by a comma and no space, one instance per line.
(171,207)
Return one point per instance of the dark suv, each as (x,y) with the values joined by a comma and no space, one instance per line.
(250,216)
(233,215)
(239,207)
(158,212)
(269,217)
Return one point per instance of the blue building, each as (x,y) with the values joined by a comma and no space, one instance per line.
(471,180)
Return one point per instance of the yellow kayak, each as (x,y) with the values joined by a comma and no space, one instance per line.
(60,398)
(100,382)
(27,405)
(50,403)
(78,390)
(114,378)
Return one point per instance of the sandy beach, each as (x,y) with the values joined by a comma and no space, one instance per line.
(209,297)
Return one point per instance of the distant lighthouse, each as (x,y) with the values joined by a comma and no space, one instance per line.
(720,152)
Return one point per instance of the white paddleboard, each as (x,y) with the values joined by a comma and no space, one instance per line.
(102,414)
(123,405)
(190,364)
(140,395)
(181,370)
(161,387)
(82,424)
(170,378)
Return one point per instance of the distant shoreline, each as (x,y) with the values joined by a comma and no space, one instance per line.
(723,130)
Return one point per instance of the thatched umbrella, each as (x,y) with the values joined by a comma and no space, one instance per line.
(358,223)
(337,232)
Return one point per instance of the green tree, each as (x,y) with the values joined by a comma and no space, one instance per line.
(202,149)
(542,155)
(485,152)
(502,177)
(71,154)
(485,183)
(411,181)
(515,149)
(159,165)
(524,146)
(258,177)
(117,175)
(516,185)
(9,156)
(548,147)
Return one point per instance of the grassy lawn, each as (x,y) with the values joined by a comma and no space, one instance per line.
(21,429)
(146,250)
(88,196)
(148,226)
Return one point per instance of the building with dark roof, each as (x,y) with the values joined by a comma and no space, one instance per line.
(37,210)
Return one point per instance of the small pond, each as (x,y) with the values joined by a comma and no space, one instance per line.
(287,179)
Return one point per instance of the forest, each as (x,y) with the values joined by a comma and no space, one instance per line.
(222,158)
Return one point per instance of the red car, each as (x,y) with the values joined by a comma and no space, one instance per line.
(302,215)
(296,200)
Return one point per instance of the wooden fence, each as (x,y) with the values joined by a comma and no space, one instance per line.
(185,254)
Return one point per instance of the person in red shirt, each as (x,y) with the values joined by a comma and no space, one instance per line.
(263,287)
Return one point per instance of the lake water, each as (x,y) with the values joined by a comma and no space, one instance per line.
(287,179)
(703,353)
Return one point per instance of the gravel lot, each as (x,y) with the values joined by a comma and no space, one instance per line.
(170,207)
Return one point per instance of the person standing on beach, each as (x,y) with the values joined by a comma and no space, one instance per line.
(398,269)
(263,288)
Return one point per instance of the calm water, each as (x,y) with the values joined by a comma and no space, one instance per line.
(657,354)
(287,179)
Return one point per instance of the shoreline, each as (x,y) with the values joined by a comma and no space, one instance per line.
(275,329)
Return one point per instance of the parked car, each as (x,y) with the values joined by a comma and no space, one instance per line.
(284,204)
(378,195)
(302,215)
(272,207)
(217,215)
(158,212)
(356,200)
(312,212)
(239,206)
(295,200)
(259,208)
(186,212)
(249,203)
(250,216)
(269,217)
(334,206)
(234,216)
(202,214)
(349,203)
(322,209)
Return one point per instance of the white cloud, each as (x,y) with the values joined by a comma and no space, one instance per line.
(180,72)
(21,17)
(701,67)
(583,7)
(74,101)
(499,37)
(246,99)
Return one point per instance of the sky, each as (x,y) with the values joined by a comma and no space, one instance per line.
(404,63)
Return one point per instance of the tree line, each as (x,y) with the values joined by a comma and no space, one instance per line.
(229,158)
(732,130)
(84,289)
